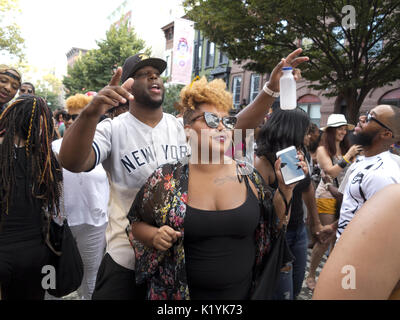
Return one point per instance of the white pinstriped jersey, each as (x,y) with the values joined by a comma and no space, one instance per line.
(367,176)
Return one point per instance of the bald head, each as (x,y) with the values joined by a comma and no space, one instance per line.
(389,115)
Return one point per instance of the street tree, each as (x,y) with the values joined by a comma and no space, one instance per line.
(350,55)
(171,98)
(93,70)
(50,88)
(11,41)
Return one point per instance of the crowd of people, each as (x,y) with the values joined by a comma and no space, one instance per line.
(174,208)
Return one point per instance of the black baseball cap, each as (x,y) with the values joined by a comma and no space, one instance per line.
(138,61)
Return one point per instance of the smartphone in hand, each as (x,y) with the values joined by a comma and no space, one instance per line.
(290,168)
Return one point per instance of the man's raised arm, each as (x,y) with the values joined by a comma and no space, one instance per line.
(76,153)
(252,115)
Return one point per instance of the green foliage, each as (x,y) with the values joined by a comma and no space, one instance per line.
(50,88)
(10,37)
(345,62)
(93,71)
(53,100)
(171,97)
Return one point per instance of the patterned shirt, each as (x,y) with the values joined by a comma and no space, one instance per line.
(162,201)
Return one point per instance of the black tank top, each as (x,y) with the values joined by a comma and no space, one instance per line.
(24,220)
(220,250)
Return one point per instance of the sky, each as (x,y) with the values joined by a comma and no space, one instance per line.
(52,27)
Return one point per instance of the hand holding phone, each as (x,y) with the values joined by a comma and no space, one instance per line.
(290,168)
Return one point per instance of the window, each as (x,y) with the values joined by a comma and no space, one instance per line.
(170,34)
(222,58)
(168,66)
(210,54)
(311,104)
(236,88)
(254,86)
(200,53)
(314,112)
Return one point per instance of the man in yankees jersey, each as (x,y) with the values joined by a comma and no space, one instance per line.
(376,132)
(132,146)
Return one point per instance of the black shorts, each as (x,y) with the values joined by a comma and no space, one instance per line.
(114,282)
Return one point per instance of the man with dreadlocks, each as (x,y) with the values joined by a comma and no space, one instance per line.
(30,182)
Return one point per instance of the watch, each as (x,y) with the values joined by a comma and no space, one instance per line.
(269,92)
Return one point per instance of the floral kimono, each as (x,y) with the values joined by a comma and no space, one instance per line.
(162,201)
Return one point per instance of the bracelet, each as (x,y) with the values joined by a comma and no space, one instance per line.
(327,185)
(342,163)
(346,160)
(269,92)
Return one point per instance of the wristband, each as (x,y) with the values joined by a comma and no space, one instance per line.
(346,160)
(342,163)
(269,92)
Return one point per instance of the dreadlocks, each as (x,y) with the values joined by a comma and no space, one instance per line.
(29,119)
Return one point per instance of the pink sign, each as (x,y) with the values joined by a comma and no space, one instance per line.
(182,55)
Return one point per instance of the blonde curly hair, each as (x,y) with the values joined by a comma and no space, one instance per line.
(202,91)
(77,102)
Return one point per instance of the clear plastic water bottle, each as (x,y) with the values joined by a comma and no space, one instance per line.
(287,85)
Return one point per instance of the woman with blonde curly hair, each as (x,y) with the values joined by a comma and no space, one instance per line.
(195,219)
(86,197)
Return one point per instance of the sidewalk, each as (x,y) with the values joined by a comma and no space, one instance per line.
(306,294)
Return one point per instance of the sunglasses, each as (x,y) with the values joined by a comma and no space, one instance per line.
(67,117)
(370,117)
(212,120)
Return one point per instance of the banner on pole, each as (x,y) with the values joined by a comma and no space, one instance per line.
(182,52)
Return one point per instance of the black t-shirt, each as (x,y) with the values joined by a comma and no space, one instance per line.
(24,219)
(297,212)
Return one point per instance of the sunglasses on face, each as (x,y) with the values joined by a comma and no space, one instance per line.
(67,117)
(370,117)
(212,120)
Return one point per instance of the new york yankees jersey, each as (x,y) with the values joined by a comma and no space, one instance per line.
(130,152)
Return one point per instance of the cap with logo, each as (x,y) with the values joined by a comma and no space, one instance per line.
(138,61)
